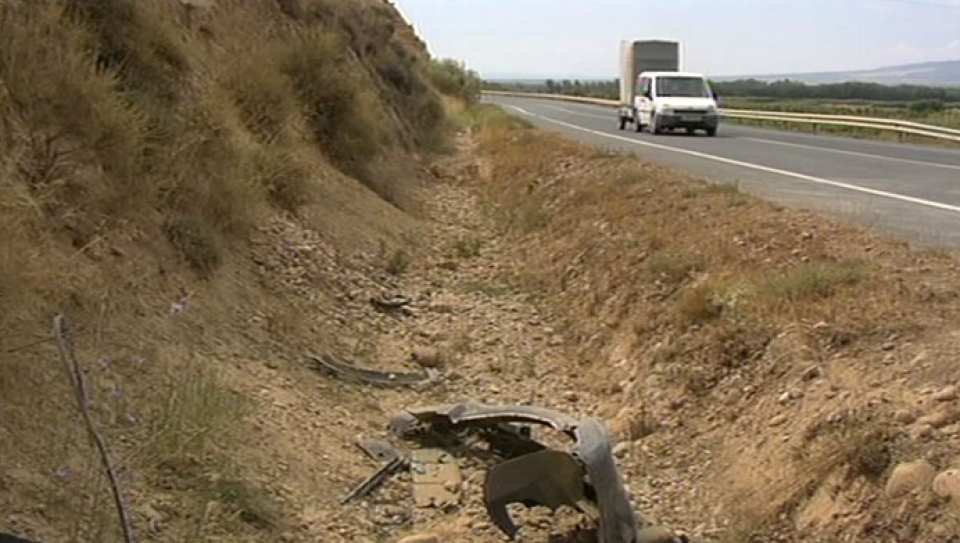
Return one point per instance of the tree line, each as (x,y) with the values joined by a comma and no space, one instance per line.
(927,98)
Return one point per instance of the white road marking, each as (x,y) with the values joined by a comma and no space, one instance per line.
(758,167)
(577,113)
(853,153)
(797,145)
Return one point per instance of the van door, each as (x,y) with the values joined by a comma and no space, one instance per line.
(644,100)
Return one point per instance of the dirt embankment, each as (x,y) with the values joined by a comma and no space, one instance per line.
(207,214)
(770,367)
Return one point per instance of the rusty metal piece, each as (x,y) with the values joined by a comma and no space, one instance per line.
(367,376)
(378,478)
(549,478)
(436,478)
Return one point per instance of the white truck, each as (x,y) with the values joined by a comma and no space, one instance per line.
(655,95)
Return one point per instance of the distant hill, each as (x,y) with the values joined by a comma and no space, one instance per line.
(940,73)
(936,74)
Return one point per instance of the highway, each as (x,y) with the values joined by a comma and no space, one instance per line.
(909,191)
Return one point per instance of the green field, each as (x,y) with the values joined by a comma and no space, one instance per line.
(933,113)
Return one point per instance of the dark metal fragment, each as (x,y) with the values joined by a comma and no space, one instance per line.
(370,377)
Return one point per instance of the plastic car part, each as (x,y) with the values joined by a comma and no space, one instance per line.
(371,377)
(547,478)
(524,482)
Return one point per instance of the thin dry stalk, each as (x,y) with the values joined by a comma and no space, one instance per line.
(61,332)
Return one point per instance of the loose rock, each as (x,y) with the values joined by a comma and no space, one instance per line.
(904,417)
(621,449)
(946,394)
(940,418)
(420,538)
(947,484)
(909,477)
(429,357)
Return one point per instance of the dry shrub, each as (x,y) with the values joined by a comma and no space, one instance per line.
(814,281)
(861,447)
(264,97)
(698,305)
(671,268)
(62,113)
(136,38)
(340,109)
(288,183)
(196,244)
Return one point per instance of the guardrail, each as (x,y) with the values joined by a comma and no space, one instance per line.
(875,123)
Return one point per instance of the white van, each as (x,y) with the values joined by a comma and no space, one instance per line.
(672,100)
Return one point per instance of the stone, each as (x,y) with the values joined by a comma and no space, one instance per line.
(778,420)
(429,357)
(421,538)
(947,484)
(621,449)
(904,417)
(946,394)
(940,419)
(909,477)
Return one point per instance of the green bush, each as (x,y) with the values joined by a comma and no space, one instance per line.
(452,78)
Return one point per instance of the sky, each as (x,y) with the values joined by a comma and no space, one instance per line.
(580,38)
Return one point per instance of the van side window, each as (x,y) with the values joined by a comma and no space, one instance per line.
(643,86)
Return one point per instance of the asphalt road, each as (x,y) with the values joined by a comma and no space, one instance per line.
(909,191)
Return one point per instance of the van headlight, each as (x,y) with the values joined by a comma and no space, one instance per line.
(666,111)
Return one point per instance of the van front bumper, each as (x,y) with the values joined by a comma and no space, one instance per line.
(679,119)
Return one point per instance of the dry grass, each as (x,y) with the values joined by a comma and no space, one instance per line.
(143,145)
(670,268)
(815,281)
(467,247)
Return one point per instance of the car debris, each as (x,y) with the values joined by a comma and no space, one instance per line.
(396,303)
(586,478)
(367,376)
(381,451)
(559,481)
(10,538)
(379,477)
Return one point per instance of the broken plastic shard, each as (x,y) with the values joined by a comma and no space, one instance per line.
(377,479)
(377,449)
(371,377)
(549,478)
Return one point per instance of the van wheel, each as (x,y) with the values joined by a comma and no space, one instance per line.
(623,123)
(654,127)
(712,132)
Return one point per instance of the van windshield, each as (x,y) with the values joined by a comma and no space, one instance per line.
(687,87)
